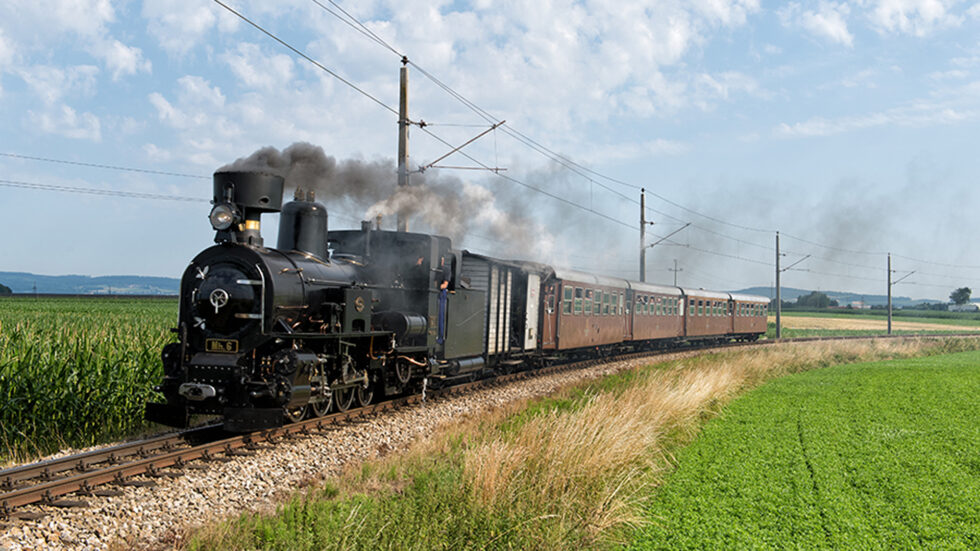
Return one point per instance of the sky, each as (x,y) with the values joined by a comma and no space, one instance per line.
(848,127)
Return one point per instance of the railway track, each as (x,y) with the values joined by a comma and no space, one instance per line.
(97,472)
(67,481)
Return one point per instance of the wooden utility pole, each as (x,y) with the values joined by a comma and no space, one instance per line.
(890,284)
(779,294)
(643,229)
(403,123)
(889,293)
(675,270)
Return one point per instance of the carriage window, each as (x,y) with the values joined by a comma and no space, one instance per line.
(605,303)
(566,306)
(597,302)
(700,307)
(588,302)
(578,300)
(691,309)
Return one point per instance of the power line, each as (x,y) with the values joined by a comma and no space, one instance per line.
(308,58)
(96,191)
(357,25)
(110,167)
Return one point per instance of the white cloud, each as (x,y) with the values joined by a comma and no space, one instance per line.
(121,59)
(952,74)
(549,68)
(918,114)
(156,154)
(257,70)
(6,51)
(828,21)
(862,79)
(51,84)
(82,24)
(709,88)
(634,150)
(65,121)
(6,57)
(914,17)
(179,25)
(83,17)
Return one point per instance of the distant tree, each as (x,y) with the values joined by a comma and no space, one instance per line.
(960,296)
(815,299)
(4,290)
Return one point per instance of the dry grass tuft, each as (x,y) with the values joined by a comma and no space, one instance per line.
(588,469)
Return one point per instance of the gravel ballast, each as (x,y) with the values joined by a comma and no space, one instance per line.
(154,516)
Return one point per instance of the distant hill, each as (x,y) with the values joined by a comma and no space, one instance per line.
(23,282)
(790,294)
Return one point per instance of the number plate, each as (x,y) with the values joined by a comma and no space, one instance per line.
(226,346)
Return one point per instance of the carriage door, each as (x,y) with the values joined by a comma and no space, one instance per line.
(531,312)
(549,316)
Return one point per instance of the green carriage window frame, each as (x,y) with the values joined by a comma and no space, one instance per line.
(587,302)
(621,299)
(578,301)
(566,306)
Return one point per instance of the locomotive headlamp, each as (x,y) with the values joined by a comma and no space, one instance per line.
(222,217)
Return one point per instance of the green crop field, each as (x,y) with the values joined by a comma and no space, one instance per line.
(77,371)
(863,456)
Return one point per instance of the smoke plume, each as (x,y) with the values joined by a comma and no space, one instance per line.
(444,205)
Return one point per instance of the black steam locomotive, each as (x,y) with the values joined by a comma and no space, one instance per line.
(323,321)
(267,336)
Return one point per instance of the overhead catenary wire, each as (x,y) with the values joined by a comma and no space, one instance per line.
(307,58)
(579,168)
(105,166)
(572,165)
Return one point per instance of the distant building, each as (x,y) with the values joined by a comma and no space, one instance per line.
(968,307)
(860,305)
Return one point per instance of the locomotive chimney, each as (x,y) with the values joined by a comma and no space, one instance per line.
(240,198)
(303,226)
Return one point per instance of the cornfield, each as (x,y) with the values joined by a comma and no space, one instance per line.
(77,371)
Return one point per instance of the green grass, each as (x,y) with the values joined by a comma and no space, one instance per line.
(77,371)
(864,456)
(522,479)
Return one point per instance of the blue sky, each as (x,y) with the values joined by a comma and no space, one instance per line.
(850,127)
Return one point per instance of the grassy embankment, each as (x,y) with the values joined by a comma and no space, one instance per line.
(567,472)
(77,371)
(863,456)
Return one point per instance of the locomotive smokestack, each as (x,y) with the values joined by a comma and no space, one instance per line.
(240,198)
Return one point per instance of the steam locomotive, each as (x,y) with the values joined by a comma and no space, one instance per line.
(325,321)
